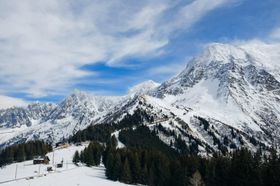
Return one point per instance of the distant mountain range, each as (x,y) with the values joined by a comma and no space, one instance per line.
(225,98)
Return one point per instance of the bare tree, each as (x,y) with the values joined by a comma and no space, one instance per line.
(196,179)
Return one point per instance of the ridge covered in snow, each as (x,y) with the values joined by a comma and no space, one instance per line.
(225,98)
(143,87)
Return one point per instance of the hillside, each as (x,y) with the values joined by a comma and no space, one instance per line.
(29,174)
(227,97)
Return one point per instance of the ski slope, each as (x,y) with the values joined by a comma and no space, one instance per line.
(69,175)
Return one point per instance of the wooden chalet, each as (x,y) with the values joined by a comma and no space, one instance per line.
(41,160)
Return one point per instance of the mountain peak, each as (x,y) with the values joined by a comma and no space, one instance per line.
(222,53)
(78,95)
(143,87)
(224,92)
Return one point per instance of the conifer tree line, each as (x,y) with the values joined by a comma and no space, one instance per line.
(91,155)
(102,132)
(147,161)
(152,167)
(22,152)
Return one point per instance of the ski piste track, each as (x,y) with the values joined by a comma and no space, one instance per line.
(39,175)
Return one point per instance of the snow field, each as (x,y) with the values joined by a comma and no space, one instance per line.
(28,174)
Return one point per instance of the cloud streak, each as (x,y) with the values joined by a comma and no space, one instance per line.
(45,44)
(7,102)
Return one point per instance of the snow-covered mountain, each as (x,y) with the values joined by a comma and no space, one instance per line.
(53,122)
(18,116)
(227,83)
(225,98)
(143,87)
(56,122)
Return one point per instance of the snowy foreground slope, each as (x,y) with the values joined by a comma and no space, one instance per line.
(225,98)
(70,175)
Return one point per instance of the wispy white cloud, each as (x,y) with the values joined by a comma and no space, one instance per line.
(7,102)
(170,69)
(44,44)
(267,53)
(191,13)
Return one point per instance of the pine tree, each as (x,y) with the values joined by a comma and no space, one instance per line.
(105,155)
(97,152)
(78,136)
(9,155)
(242,167)
(76,157)
(116,172)
(109,165)
(177,176)
(82,156)
(144,175)
(114,142)
(135,168)
(126,173)
(151,177)
(20,154)
(272,169)
(88,157)
(257,167)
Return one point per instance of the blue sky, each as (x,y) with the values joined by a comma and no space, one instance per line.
(50,48)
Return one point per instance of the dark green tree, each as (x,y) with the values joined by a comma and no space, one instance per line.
(135,168)
(76,157)
(117,165)
(20,154)
(126,173)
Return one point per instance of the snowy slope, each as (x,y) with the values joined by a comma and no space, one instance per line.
(54,123)
(18,116)
(143,87)
(51,122)
(225,98)
(231,85)
(69,175)
(226,82)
